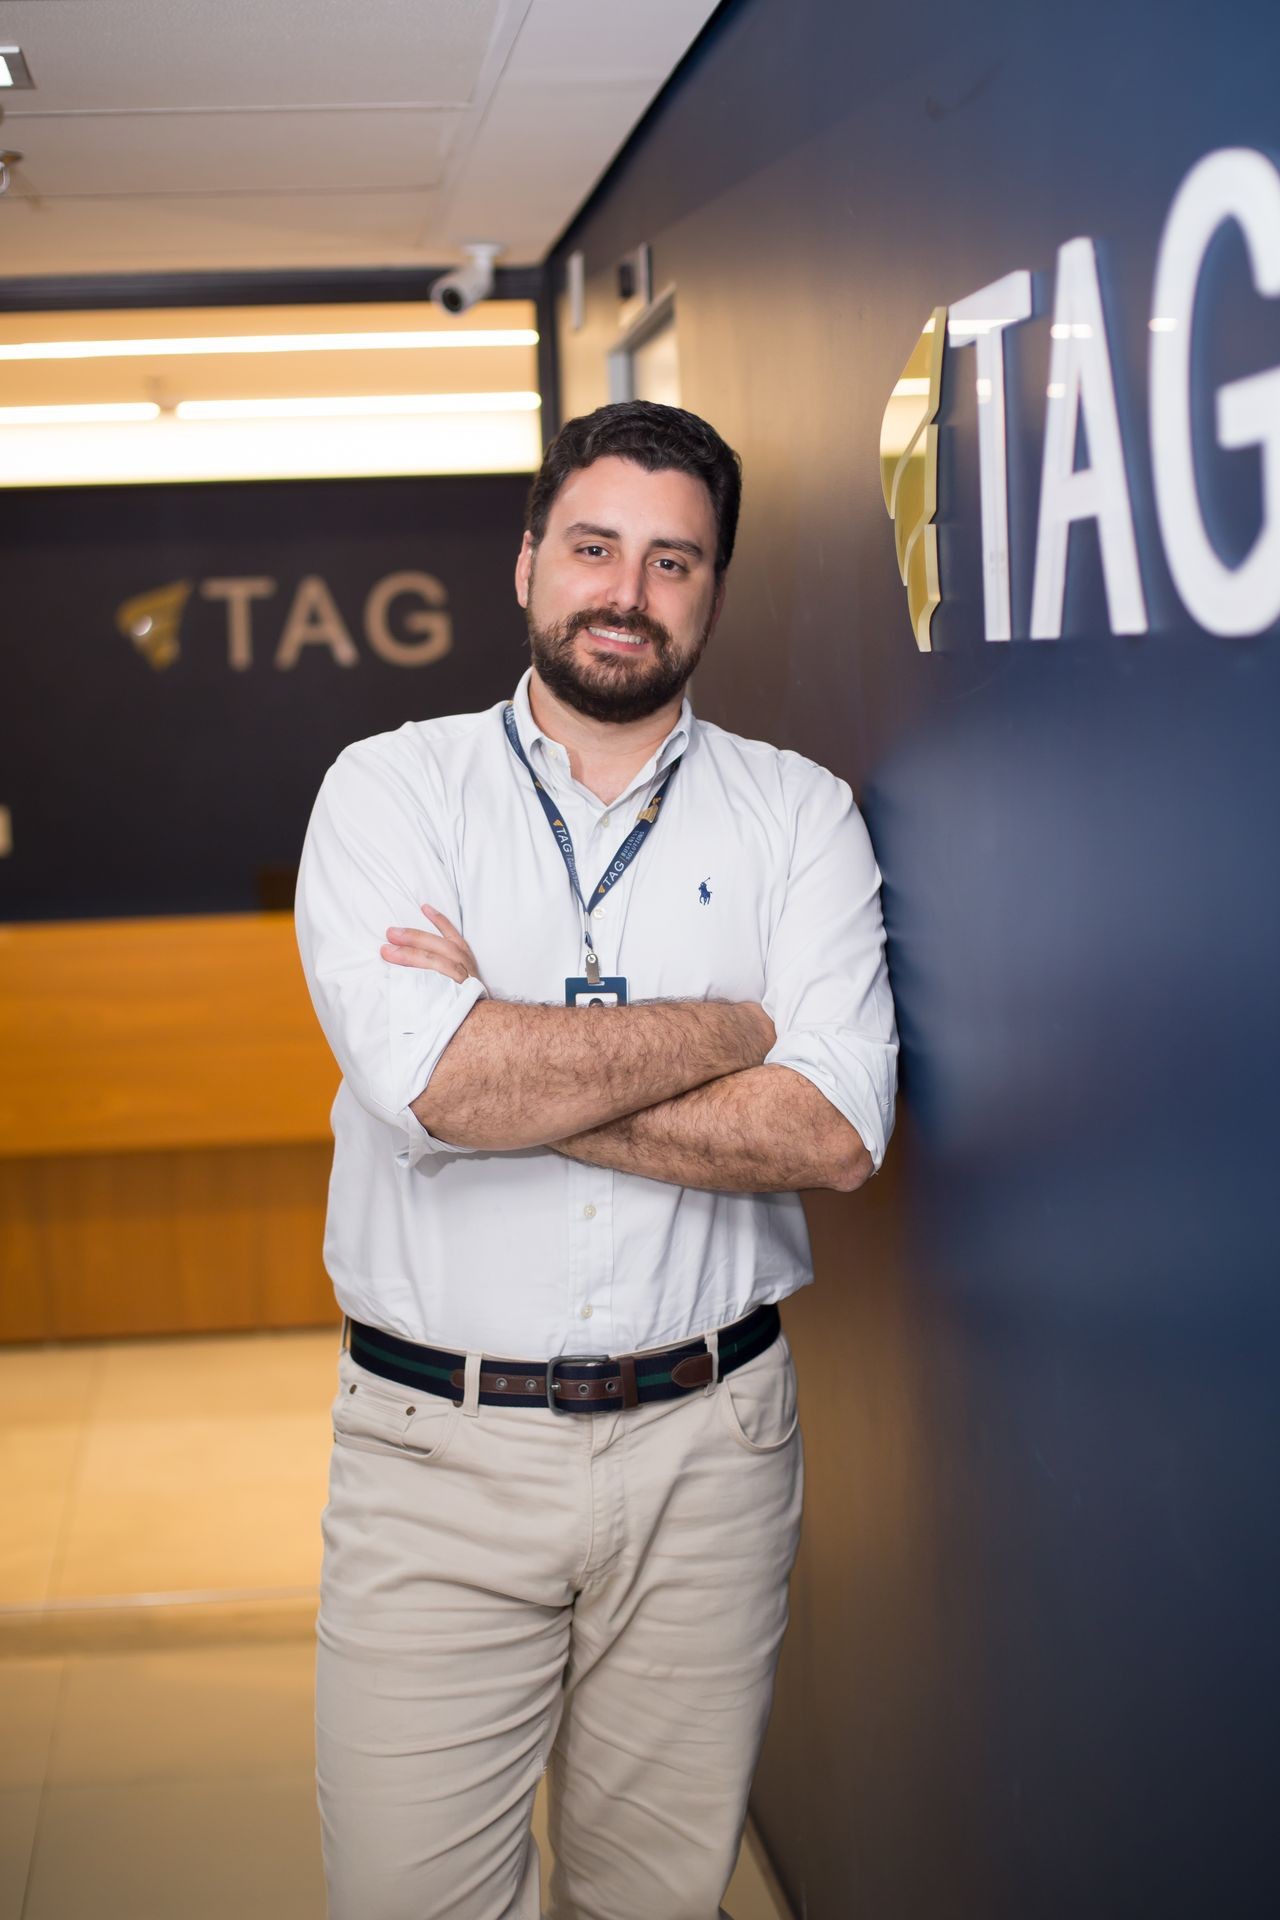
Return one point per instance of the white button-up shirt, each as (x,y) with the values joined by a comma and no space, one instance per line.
(527,1254)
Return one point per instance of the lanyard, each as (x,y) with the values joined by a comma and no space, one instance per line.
(622,858)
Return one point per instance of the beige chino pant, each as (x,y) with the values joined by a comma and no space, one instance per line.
(508,1588)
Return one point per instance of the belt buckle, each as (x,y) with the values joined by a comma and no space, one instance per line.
(570,1360)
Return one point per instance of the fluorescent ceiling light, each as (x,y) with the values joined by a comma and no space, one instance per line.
(150,452)
(77,416)
(6,77)
(266,343)
(358,406)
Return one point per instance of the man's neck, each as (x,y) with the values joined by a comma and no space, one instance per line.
(604,755)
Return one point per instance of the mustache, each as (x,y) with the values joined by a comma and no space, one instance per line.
(638,623)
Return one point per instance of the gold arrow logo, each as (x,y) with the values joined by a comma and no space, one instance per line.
(153,621)
(909,473)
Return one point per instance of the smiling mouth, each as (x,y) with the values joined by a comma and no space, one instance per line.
(618,636)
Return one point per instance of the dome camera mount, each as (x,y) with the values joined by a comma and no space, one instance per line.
(457,291)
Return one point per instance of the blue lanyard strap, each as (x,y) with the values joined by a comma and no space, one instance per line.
(626,852)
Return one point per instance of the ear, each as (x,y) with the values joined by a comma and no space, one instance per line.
(524,568)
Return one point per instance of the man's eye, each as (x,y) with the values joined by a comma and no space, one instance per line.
(591,550)
(671,566)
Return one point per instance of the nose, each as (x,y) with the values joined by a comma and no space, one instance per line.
(627,586)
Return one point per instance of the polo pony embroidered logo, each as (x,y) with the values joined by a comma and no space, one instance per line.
(704,892)
(909,473)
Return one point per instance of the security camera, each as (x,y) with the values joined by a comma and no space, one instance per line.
(455,292)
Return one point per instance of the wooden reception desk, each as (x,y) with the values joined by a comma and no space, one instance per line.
(164,1130)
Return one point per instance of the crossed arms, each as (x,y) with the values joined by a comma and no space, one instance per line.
(678,1091)
(697,1093)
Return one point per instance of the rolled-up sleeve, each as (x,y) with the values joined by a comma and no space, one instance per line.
(370,861)
(827,984)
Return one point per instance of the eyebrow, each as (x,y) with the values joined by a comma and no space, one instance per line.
(580,527)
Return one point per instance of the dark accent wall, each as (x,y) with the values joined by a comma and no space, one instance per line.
(1032,1668)
(176,774)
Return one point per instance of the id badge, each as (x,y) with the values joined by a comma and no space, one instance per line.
(609,991)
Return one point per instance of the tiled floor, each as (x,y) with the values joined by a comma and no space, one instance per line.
(156,1595)
(137,1467)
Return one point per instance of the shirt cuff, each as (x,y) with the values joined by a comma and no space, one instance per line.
(419,1144)
(859,1089)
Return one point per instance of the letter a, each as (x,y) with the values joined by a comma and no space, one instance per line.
(314,620)
(1081,389)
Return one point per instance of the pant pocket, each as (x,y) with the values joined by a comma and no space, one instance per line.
(381,1416)
(758,1403)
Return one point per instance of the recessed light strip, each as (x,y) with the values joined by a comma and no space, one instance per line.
(357,406)
(78,416)
(267,343)
(323,407)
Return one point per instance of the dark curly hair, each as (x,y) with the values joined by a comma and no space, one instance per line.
(656,438)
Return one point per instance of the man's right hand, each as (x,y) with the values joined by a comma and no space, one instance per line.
(444,951)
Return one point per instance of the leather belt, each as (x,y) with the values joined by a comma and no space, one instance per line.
(571,1382)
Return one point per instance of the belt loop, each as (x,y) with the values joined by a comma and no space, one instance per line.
(346,1333)
(471,1386)
(713,1348)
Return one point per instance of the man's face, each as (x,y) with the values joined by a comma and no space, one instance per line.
(621,592)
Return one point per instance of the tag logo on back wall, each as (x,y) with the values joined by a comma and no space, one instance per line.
(1236,186)
(153,621)
(405,621)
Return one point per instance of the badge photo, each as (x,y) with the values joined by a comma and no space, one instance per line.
(609,991)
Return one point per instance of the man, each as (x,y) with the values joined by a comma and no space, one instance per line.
(574,1120)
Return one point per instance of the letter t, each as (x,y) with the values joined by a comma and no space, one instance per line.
(979,321)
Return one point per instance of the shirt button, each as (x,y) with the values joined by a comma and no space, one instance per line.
(598,913)
(604,819)
(585,1313)
(588,1212)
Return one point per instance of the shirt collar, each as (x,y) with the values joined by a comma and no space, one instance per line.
(546,754)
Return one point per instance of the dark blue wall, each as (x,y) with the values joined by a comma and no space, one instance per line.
(185,787)
(1032,1669)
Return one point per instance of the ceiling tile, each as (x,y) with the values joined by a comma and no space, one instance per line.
(196,53)
(284,127)
(624,42)
(215,232)
(300,151)
(599,117)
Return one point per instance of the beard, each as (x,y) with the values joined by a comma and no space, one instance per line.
(610,686)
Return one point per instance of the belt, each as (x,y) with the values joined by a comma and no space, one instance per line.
(571,1382)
